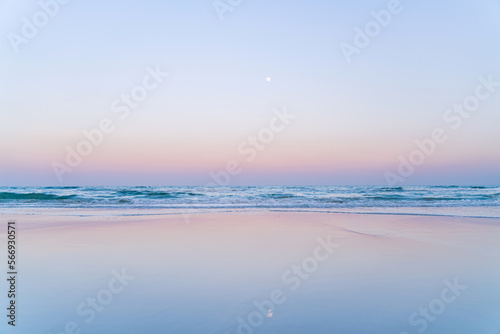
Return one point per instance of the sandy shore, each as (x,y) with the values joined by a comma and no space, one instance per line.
(258,272)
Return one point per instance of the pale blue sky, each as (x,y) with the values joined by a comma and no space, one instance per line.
(354,120)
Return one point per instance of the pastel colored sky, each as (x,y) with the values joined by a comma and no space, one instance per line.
(353,120)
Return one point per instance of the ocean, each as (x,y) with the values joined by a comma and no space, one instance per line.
(467,201)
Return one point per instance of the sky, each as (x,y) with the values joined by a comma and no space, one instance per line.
(233,66)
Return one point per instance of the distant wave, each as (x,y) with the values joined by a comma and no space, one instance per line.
(392,189)
(34,196)
(153,193)
(279,196)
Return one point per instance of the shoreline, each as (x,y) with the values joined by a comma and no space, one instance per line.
(463,212)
